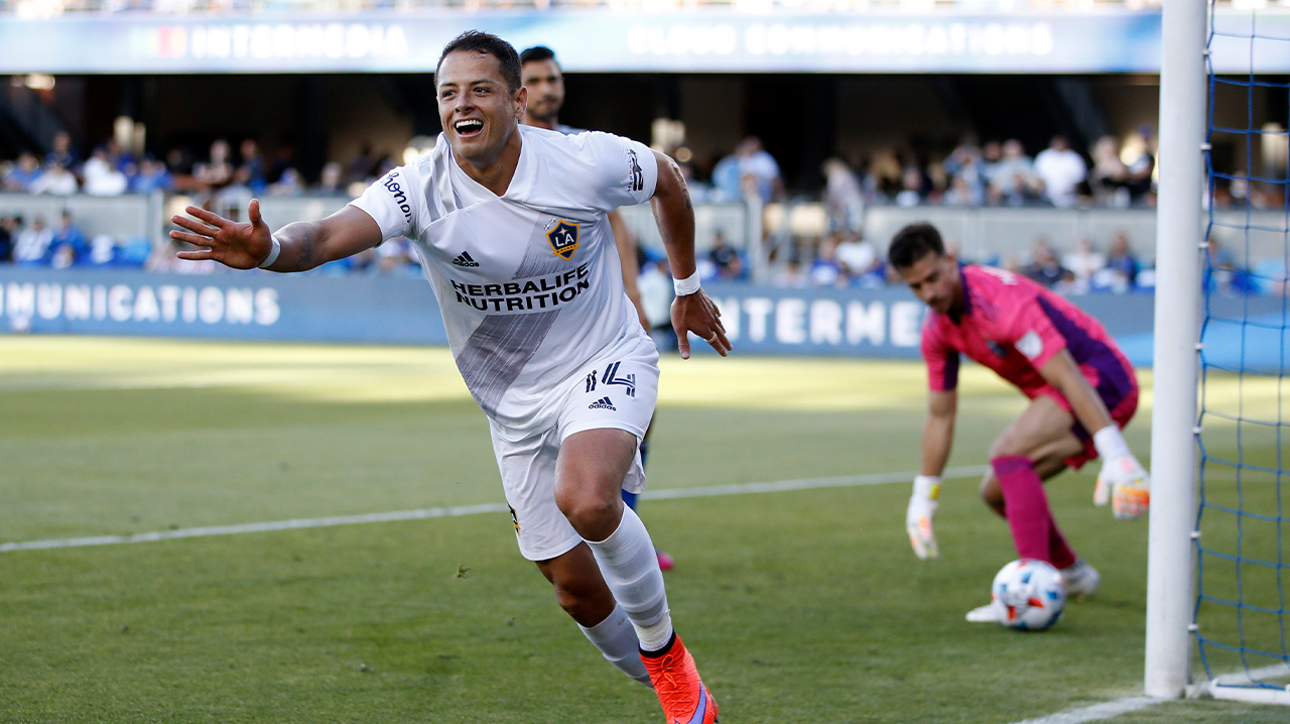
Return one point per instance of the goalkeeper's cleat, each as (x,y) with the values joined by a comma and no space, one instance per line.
(992,612)
(684,698)
(918,523)
(1081,579)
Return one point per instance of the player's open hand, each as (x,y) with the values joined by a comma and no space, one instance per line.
(697,313)
(919,515)
(1124,484)
(234,244)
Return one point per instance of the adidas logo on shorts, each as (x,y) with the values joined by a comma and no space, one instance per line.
(463,259)
(602,404)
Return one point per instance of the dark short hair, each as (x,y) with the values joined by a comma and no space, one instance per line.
(477,41)
(536,54)
(912,243)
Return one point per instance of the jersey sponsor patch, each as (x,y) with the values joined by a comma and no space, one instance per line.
(1005,276)
(1030,344)
(563,239)
(392,185)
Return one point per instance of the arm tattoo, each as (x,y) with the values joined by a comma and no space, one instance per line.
(680,181)
(305,250)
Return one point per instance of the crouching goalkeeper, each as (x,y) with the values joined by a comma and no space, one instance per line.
(1082,391)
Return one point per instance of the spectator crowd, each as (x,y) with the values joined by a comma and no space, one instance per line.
(995,173)
(223,179)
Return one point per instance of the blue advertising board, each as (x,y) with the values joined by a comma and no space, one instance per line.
(252,305)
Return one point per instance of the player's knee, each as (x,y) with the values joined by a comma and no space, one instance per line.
(588,511)
(1006,446)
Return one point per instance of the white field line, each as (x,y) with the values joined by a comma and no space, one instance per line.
(457,511)
(1112,709)
(1105,710)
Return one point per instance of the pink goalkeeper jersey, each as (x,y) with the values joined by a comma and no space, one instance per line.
(1014,326)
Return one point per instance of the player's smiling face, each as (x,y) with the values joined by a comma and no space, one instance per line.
(479,113)
(934,278)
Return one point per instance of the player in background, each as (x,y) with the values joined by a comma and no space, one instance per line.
(1060,358)
(544,79)
(509,224)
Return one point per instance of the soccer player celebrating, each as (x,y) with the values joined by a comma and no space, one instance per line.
(1081,388)
(510,226)
(544,80)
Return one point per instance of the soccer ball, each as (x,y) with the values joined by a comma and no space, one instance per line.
(1030,593)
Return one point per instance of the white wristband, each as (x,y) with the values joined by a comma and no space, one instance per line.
(273,252)
(1110,443)
(927,486)
(687,286)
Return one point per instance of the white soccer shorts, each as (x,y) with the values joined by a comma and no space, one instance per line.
(617,392)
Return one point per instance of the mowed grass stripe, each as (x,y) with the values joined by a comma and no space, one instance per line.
(805,607)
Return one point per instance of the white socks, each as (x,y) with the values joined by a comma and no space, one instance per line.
(616,639)
(630,567)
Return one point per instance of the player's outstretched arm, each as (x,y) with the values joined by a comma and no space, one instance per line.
(938,436)
(692,310)
(299,246)
(1123,481)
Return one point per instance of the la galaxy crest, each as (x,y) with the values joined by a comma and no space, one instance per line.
(563,239)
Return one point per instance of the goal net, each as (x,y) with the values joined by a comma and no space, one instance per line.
(1242,538)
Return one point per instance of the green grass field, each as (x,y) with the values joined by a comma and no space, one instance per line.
(803,606)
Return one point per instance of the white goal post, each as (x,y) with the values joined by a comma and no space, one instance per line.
(1179,233)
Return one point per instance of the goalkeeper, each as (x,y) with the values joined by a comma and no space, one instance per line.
(1082,390)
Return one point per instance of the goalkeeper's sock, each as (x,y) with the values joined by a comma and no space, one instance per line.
(1060,553)
(1034,532)
(630,567)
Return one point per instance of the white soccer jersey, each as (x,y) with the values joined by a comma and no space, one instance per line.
(529,283)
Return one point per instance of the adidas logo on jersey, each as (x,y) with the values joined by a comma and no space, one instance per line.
(602,404)
(463,259)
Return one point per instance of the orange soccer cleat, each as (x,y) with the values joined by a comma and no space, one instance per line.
(684,698)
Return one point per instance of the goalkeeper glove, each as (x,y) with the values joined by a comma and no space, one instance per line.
(918,517)
(1122,482)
